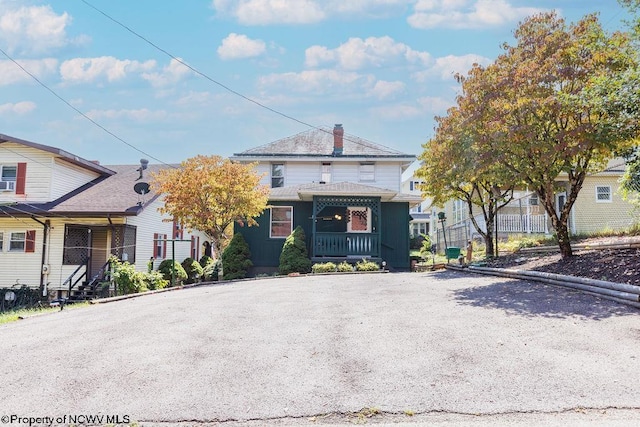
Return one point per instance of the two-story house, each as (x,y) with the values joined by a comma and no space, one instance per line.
(344,191)
(62,216)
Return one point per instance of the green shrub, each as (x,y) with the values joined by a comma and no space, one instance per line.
(127,279)
(205,260)
(345,267)
(165,269)
(210,271)
(294,257)
(193,270)
(154,280)
(365,265)
(236,258)
(325,267)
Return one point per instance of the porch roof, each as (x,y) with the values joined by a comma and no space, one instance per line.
(305,192)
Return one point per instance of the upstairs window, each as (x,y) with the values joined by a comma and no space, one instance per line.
(459,211)
(367,172)
(8,177)
(277,175)
(326,173)
(17,242)
(603,194)
(1,241)
(414,185)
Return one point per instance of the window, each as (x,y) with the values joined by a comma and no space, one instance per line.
(367,172)
(1,242)
(419,228)
(416,209)
(17,242)
(533,200)
(159,246)
(358,220)
(459,211)
(8,177)
(281,222)
(603,193)
(326,173)
(415,185)
(277,175)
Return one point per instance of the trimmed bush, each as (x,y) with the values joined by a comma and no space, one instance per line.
(294,257)
(345,267)
(365,265)
(128,280)
(193,270)
(154,280)
(205,260)
(165,269)
(325,267)
(236,258)
(210,271)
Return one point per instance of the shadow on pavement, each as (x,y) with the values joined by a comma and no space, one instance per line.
(532,299)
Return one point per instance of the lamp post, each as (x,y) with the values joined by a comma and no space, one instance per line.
(442,218)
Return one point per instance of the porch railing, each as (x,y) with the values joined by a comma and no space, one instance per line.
(73,280)
(346,244)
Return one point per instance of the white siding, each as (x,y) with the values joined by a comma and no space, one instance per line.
(387,174)
(150,221)
(66,177)
(20,267)
(39,171)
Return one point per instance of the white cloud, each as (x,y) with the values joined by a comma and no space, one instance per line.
(194,98)
(425,106)
(267,12)
(357,53)
(461,14)
(18,108)
(320,81)
(384,90)
(171,74)
(88,70)
(446,67)
(239,46)
(34,29)
(141,115)
(40,68)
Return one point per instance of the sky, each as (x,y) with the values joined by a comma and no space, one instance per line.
(106,80)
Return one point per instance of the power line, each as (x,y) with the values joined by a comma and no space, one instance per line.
(54,93)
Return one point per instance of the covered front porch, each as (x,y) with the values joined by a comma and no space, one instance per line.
(345,228)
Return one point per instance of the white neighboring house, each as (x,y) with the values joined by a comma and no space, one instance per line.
(61,217)
(421,214)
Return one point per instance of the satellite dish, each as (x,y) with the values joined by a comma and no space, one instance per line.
(141,188)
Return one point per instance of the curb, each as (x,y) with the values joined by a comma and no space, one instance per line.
(619,292)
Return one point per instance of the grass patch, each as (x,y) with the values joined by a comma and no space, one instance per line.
(12,316)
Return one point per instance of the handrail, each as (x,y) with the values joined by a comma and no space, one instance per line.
(93,283)
(69,280)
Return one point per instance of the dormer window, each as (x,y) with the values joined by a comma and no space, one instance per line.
(277,175)
(8,177)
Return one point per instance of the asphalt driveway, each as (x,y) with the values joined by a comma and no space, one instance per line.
(439,348)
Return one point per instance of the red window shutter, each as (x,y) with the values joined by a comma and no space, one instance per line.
(176,229)
(155,245)
(193,246)
(21,177)
(30,241)
(164,245)
(197,257)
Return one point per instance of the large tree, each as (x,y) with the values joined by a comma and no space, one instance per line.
(554,114)
(209,193)
(453,168)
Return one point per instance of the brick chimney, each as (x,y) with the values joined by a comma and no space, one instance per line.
(338,142)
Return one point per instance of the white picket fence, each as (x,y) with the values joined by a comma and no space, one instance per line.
(521,224)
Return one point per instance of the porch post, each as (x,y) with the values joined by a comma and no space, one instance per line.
(314,214)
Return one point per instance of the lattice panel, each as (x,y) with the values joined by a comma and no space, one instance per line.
(322,202)
(76,246)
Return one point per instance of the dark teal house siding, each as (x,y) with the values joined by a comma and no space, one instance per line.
(265,251)
(395,235)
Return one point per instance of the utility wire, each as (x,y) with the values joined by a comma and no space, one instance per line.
(54,93)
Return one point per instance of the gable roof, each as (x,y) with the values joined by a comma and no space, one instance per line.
(111,195)
(305,192)
(319,142)
(71,158)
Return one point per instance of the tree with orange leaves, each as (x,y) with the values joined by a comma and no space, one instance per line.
(209,193)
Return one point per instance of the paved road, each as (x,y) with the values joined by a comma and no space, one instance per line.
(441,348)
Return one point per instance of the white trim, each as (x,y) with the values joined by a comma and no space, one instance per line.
(271,236)
(272,177)
(366,174)
(24,241)
(598,199)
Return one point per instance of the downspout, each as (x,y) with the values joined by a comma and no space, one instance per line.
(44,268)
